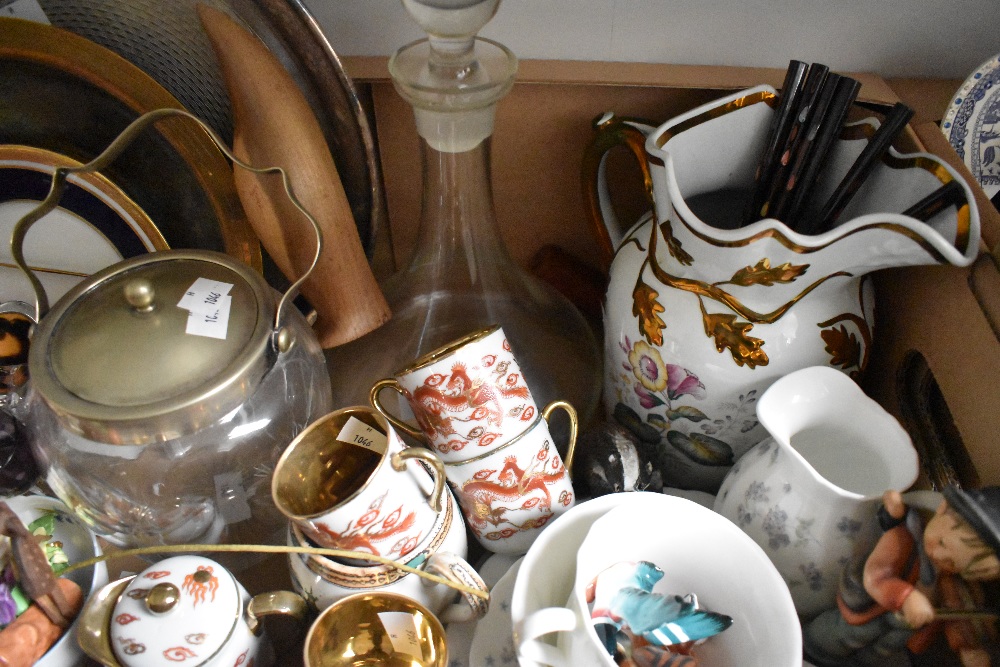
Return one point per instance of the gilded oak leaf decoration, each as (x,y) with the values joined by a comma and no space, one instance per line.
(677,251)
(731,333)
(842,346)
(645,307)
(763,274)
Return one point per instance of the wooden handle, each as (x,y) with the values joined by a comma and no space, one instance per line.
(275,126)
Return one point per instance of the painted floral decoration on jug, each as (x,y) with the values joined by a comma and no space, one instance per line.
(808,494)
(769,507)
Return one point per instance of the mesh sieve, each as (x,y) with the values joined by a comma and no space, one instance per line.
(165,39)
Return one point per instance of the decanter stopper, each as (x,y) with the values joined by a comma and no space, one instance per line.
(453,79)
(452,25)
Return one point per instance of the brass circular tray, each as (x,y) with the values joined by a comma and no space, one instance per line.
(166,40)
(66,94)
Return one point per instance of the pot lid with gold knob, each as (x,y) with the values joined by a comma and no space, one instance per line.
(183,608)
(156,347)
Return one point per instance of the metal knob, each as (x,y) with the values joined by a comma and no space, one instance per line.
(162,598)
(139,294)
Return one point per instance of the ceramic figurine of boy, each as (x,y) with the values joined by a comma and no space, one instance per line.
(900,597)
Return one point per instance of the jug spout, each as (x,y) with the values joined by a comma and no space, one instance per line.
(846,441)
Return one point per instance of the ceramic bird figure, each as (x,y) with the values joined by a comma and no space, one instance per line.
(622,596)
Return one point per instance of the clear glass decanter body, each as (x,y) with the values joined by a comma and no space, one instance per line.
(460,277)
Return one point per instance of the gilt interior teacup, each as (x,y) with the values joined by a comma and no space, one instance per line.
(349,482)
(376,629)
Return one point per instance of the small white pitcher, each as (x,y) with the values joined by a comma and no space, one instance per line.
(808,495)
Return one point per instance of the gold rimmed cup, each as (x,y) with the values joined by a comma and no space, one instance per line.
(466,396)
(376,629)
(325,580)
(349,482)
(509,493)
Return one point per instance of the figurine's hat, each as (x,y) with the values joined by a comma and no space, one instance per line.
(981,509)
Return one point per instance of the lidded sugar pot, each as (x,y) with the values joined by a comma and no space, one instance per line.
(183,609)
(162,391)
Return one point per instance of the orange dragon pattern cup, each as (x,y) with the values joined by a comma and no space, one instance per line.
(349,482)
(513,491)
(466,397)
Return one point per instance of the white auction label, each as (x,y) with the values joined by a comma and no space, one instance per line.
(204,295)
(356,432)
(403,633)
(211,323)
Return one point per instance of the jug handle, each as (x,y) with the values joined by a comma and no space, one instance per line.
(612,131)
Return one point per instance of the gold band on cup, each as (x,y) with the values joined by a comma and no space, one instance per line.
(549,409)
(447,349)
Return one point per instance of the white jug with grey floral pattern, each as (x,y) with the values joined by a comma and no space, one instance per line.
(809,494)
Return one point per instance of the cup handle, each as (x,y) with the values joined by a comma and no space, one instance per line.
(436,496)
(275,602)
(455,568)
(573,428)
(373,398)
(538,624)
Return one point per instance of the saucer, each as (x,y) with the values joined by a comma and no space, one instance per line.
(94,225)
(971,125)
(493,640)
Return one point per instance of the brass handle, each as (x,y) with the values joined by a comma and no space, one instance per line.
(110,153)
(399,459)
(612,131)
(376,403)
(285,603)
(573,428)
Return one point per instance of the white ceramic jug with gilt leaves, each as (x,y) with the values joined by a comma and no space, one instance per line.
(703,314)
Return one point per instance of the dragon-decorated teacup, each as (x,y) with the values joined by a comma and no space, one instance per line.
(511,492)
(466,396)
(349,482)
(324,581)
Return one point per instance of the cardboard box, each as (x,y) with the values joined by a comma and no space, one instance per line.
(936,353)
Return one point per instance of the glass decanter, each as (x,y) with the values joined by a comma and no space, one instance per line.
(461,277)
